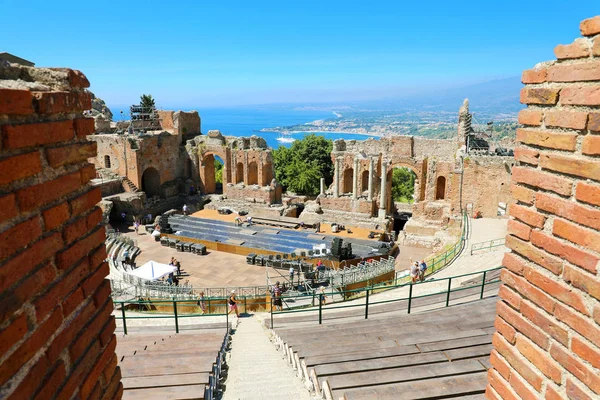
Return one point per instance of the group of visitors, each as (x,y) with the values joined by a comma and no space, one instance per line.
(417,271)
(238,220)
(173,279)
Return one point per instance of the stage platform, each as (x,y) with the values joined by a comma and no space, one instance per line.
(269,239)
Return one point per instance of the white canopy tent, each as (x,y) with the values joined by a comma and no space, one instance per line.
(152,270)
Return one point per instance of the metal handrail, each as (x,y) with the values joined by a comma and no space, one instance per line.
(488,244)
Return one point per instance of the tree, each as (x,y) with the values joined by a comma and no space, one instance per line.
(300,167)
(218,170)
(147,101)
(403,185)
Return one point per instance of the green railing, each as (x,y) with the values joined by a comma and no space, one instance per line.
(367,291)
(487,245)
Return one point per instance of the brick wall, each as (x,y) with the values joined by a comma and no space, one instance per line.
(56,331)
(547,343)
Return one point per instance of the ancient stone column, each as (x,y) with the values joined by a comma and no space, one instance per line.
(383,197)
(322,186)
(371,167)
(355,180)
(336,178)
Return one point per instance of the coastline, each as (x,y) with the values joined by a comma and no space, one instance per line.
(349,132)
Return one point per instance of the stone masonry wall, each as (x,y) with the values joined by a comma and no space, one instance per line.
(56,330)
(547,343)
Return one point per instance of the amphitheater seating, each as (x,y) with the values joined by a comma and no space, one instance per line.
(172,366)
(436,354)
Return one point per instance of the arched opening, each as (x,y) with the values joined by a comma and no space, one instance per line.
(348,175)
(212,174)
(364,181)
(440,188)
(267,174)
(239,173)
(252,173)
(107,161)
(151,182)
(402,183)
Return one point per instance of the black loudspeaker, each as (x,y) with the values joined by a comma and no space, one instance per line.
(336,247)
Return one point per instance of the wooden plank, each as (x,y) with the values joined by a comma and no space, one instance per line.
(404,374)
(469,352)
(359,355)
(455,343)
(131,368)
(455,386)
(188,392)
(142,382)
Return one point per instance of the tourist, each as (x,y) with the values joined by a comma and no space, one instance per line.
(277,297)
(124,216)
(201,303)
(292,271)
(192,190)
(238,221)
(136,227)
(318,227)
(422,269)
(149,218)
(185,209)
(414,271)
(126,256)
(322,296)
(249,220)
(178,265)
(233,304)
(170,278)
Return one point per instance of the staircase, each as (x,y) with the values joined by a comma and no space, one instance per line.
(129,186)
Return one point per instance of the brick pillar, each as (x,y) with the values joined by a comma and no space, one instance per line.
(56,330)
(371,172)
(547,343)
(355,179)
(336,178)
(382,190)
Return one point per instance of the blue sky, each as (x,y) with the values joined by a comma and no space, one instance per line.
(221,53)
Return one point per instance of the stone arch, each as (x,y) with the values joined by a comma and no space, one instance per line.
(239,173)
(267,174)
(417,169)
(151,182)
(364,180)
(347,179)
(253,173)
(107,161)
(440,188)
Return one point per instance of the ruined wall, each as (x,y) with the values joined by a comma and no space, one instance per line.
(56,330)
(180,122)
(547,343)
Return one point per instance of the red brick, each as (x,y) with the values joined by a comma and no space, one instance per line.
(71,154)
(542,180)
(568,209)
(580,96)
(518,229)
(87,173)
(28,135)
(95,280)
(588,352)
(574,392)
(13,333)
(566,119)
(75,230)
(72,302)
(545,323)
(521,388)
(594,119)
(539,96)
(596,48)
(576,367)
(86,201)
(540,358)
(522,325)
(505,330)
(15,102)
(29,385)
(578,49)
(527,155)
(115,387)
(53,382)
(79,372)
(597,313)
(107,332)
(532,253)
(530,117)
(576,234)
(522,194)
(521,366)
(19,266)
(527,215)
(94,218)
(30,346)
(491,394)
(579,72)
(19,237)
(56,216)
(110,369)
(36,196)
(571,165)
(508,295)
(528,291)
(18,167)
(8,207)
(52,102)
(591,145)
(94,375)
(534,76)
(588,193)
(82,248)
(98,256)
(589,283)
(501,386)
(552,140)
(499,364)
(570,253)
(552,393)
(69,333)
(579,323)
(84,127)
(590,26)
(89,334)
(102,293)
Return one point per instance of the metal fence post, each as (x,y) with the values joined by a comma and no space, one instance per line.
(175,312)
(320,311)
(245,305)
(482,285)
(271,313)
(226,316)
(124,323)
(448,293)
(367,306)
(410,297)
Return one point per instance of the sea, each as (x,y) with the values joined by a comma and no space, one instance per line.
(248,121)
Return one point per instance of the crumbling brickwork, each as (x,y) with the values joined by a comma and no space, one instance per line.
(56,330)
(547,343)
